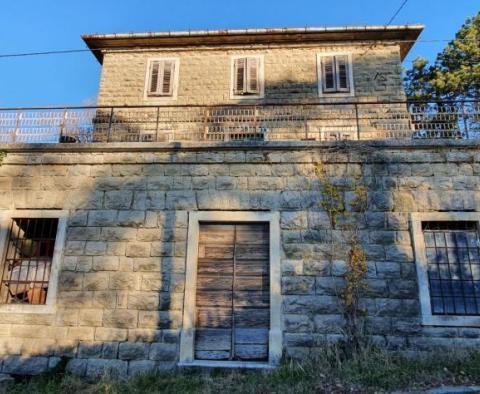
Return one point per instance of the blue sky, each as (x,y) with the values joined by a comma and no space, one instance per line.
(72,79)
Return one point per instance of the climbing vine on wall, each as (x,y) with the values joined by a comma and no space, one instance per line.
(333,202)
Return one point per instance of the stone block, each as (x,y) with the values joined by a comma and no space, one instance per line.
(297,323)
(120,318)
(110,334)
(97,368)
(133,351)
(90,317)
(293,220)
(118,199)
(140,367)
(298,285)
(163,352)
(182,200)
(102,218)
(106,263)
(131,218)
(25,365)
(138,249)
(90,350)
(95,281)
(95,248)
(124,281)
(110,350)
(76,366)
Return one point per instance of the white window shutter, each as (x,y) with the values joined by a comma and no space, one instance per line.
(167,77)
(239,86)
(341,71)
(253,82)
(328,74)
(154,78)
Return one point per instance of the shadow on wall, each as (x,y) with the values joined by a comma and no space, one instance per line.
(122,280)
(120,290)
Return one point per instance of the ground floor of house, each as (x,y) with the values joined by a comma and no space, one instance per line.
(134,257)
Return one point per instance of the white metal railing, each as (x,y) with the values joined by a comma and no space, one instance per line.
(333,121)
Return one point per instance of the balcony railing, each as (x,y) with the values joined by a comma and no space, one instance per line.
(267,122)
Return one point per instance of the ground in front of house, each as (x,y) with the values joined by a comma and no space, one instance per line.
(370,371)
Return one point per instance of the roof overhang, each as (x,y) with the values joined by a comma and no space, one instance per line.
(405,35)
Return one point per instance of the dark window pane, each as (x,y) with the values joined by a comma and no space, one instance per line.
(452,252)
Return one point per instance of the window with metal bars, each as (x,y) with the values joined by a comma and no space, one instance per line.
(28,261)
(453,260)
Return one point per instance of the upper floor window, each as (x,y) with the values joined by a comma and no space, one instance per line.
(32,245)
(247,77)
(335,74)
(162,78)
(447,247)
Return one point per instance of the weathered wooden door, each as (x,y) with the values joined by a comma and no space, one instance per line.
(233,297)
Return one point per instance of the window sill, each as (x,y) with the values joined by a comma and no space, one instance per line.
(18,308)
(247,97)
(455,321)
(227,364)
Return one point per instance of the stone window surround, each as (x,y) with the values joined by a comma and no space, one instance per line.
(416,220)
(62,215)
(162,99)
(261,78)
(320,76)
(188,330)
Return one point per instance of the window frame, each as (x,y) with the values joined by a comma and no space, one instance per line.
(175,80)
(261,78)
(62,216)
(416,220)
(320,78)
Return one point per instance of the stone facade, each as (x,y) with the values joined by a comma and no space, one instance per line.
(290,74)
(121,286)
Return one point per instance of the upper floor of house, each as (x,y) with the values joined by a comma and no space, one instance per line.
(253,66)
(257,84)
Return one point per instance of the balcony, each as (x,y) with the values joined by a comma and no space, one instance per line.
(267,122)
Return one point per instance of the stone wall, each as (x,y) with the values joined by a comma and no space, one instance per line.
(122,279)
(290,74)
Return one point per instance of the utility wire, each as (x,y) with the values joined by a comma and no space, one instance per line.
(388,24)
(69,51)
(397,12)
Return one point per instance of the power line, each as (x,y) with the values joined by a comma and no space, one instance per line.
(397,12)
(70,51)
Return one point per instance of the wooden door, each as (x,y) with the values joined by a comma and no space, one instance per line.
(233,292)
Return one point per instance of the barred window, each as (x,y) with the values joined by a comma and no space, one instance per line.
(28,260)
(453,267)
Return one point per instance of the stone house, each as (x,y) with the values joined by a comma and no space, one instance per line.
(182,220)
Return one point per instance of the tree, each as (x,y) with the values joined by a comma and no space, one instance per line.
(455,75)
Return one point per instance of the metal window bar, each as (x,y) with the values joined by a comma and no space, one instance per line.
(453,261)
(28,261)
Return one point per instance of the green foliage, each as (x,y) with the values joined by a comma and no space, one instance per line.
(456,71)
(351,295)
(372,370)
(332,197)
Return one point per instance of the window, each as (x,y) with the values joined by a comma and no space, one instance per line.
(32,243)
(162,78)
(447,252)
(335,74)
(247,77)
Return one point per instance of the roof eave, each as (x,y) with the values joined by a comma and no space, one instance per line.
(406,35)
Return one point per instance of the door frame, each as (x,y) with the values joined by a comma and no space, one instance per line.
(187,337)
